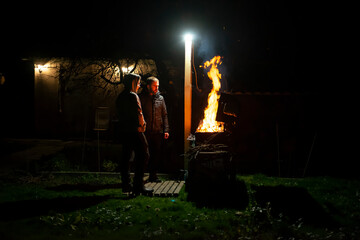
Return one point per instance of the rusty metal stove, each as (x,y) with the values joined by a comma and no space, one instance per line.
(211,172)
(208,162)
(211,177)
(210,157)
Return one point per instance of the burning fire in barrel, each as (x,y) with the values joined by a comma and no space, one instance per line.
(209,123)
(210,165)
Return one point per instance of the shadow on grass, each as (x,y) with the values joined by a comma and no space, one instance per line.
(293,203)
(33,208)
(84,187)
(218,194)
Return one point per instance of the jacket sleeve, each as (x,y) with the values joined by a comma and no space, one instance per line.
(165,117)
(142,123)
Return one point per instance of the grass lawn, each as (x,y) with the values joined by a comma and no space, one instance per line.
(93,207)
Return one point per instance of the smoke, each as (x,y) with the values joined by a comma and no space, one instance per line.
(206,51)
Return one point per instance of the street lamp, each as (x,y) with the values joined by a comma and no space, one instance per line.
(187,92)
(188,37)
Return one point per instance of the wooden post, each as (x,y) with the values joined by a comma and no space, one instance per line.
(308,159)
(187,96)
(278,148)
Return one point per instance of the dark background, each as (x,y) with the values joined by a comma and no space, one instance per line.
(275,46)
(269,45)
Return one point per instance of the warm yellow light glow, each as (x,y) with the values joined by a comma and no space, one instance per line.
(209,124)
(41,68)
(127,69)
(116,72)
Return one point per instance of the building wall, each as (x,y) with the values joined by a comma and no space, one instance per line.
(274,133)
(47,111)
(68,111)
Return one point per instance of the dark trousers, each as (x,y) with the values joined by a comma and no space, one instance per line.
(155,141)
(135,147)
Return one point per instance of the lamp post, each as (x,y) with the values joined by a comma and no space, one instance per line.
(187,94)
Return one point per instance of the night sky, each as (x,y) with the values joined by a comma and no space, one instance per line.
(270,45)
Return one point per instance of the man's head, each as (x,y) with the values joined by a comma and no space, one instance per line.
(152,84)
(132,82)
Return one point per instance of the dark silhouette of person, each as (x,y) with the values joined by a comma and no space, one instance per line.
(157,130)
(132,126)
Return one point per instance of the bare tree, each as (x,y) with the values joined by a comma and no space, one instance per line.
(92,74)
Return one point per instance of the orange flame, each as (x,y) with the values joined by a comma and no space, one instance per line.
(209,124)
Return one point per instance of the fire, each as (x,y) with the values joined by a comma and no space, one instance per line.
(209,124)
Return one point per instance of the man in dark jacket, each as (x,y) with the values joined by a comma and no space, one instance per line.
(157,130)
(131,129)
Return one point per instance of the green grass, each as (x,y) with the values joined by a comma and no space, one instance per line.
(334,194)
(113,215)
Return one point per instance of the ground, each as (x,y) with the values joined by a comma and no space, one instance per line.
(92,206)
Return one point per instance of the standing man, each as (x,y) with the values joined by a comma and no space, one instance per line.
(155,114)
(131,129)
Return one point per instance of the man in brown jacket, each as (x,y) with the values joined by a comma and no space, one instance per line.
(157,130)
